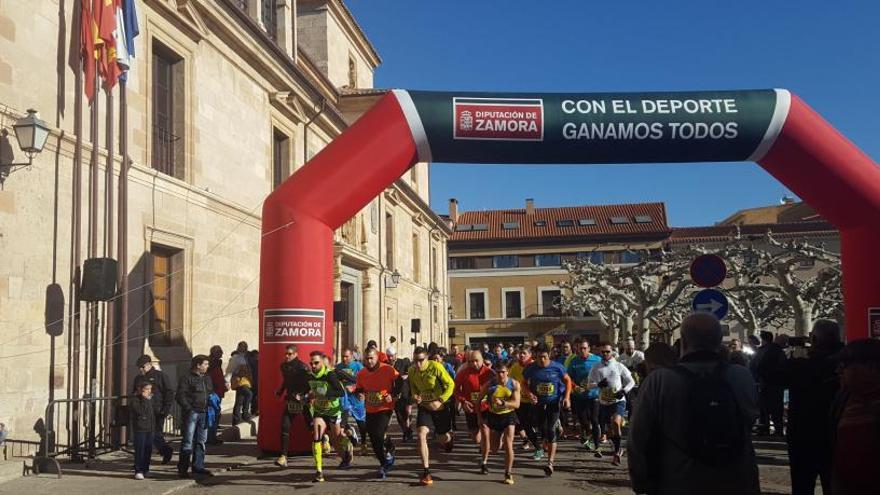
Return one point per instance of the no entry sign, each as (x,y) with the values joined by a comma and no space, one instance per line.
(708,270)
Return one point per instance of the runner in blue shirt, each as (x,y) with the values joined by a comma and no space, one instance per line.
(352,406)
(584,401)
(548,383)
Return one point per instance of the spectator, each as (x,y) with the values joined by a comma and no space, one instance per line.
(736,353)
(163,399)
(813,383)
(680,408)
(856,420)
(356,354)
(215,372)
(767,368)
(253,360)
(193,391)
(239,378)
(143,423)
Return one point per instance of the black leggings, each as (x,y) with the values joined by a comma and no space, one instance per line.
(377,425)
(524,414)
(587,412)
(286,420)
(544,417)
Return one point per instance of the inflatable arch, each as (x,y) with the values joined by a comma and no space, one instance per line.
(774,128)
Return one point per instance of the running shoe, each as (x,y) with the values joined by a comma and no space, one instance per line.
(615,460)
(597,454)
(281,461)
(449,445)
(526,445)
(548,470)
(484,468)
(319,477)
(538,455)
(426,480)
(347,456)
(381,474)
(389,461)
(589,445)
(508,479)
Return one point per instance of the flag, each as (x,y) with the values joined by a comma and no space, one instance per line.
(126,31)
(105,19)
(88,32)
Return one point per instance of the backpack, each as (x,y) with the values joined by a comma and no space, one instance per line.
(716,430)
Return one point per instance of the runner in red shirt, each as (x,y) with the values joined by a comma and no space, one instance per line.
(468,383)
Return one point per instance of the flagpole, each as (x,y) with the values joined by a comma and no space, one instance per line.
(108,316)
(73,325)
(122,238)
(93,253)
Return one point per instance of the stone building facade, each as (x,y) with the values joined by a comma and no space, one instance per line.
(226,98)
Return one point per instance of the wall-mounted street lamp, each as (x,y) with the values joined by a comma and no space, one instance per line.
(435,294)
(393,281)
(31,133)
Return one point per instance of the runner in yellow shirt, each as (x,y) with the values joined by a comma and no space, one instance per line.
(431,388)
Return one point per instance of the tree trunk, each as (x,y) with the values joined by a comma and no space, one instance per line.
(803,319)
(626,331)
(644,337)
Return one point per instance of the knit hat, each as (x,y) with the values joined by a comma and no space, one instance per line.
(143,360)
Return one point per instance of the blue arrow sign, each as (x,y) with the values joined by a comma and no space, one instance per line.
(711,301)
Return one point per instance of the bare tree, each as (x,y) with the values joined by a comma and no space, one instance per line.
(633,294)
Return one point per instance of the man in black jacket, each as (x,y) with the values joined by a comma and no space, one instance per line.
(294,388)
(163,398)
(193,390)
(767,367)
(813,383)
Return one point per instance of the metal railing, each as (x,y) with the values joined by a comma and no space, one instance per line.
(164,155)
(19,448)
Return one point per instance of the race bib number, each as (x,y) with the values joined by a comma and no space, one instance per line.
(546,389)
(475,397)
(607,394)
(294,407)
(322,404)
(375,398)
(429,396)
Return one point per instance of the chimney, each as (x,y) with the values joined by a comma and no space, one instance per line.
(530,206)
(453,210)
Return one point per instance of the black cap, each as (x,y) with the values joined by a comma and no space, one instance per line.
(143,360)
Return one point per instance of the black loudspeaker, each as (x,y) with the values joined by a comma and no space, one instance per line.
(415,325)
(451,332)
(98,280)
(340,311)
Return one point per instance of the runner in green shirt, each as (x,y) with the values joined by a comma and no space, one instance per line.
(325,393)
(431,388)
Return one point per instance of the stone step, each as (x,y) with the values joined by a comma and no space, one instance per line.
(11,469)
(242,431)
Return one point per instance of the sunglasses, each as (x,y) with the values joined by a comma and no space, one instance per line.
(606,352)
(316,363)
(585,348)
(288,354)
(419,360)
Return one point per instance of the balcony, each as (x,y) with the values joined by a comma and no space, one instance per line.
(164,155)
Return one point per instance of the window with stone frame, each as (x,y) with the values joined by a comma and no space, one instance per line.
(168,97)
(166,295)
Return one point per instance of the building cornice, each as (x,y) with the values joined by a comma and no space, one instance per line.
(418,204)
(355,32)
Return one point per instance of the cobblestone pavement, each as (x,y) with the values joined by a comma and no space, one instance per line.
(238,470)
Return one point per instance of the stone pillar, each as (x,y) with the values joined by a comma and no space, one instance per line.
(286,36)
(255,11)
(373,314)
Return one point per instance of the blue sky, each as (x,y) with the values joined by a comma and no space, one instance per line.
(826,52)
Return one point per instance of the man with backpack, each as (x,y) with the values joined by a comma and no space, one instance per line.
(690,430)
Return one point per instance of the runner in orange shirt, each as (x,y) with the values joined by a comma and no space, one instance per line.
(378,385)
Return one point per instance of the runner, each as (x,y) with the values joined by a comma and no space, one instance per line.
(403,406)
(468,387)
(548,383)
(584,402)
(294,389)
(503,393)
(379,383)
(431,387)
(613,380)
(524,413)
(352,406)
(325,394)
